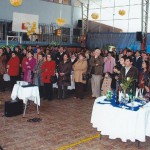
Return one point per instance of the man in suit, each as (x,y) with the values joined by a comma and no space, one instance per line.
(129,71)
(138,61)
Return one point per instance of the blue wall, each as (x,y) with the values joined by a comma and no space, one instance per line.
(47,11)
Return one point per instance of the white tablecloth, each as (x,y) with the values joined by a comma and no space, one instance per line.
(121,123)
(26,93)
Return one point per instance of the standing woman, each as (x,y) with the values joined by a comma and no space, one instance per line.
(8,53)
(28,67)
(2,69)
(109,63)
(38,73)
(13,68)
(144,75)
(80,68)
(64,80)
(48,70)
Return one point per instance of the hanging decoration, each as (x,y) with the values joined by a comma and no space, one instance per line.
(95,16)
(122,12)
(60,21)
(16,3)
(29,27)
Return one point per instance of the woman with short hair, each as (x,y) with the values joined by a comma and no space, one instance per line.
(28,67)
(48,70)
(13,68)
(80,68)
(64,80)
(38,73)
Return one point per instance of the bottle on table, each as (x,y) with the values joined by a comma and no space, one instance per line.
(117,96)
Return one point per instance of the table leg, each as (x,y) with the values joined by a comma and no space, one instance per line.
(138,143)
(100,136)
(24,112)
(37,107)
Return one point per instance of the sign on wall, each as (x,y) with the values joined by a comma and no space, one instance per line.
(25,23)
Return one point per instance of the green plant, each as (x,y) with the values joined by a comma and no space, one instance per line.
(126,83)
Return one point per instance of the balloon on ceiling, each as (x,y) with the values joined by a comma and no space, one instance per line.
(95,16)
(122,12)
(16,3)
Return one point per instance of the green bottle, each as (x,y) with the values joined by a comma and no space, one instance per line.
(130,96)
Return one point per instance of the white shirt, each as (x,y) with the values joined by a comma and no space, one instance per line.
(127,69)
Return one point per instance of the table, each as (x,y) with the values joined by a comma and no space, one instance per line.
(26,93)
(121,123)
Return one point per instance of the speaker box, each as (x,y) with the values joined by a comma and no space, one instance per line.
(76,32)
(13,108)
(79,23)
(65,31)
(139,36)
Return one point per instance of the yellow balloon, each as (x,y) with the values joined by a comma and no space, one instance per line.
(122,12)
(16,3)
(95,16)
(60,21)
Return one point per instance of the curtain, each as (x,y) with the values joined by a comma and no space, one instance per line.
(119,40)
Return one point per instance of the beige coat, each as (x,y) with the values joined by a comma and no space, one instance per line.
(79,68)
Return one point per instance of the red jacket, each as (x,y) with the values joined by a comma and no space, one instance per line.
(48,70)
(13,63)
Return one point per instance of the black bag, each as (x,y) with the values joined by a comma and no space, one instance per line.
(86,76)
(13,108)
(53,79)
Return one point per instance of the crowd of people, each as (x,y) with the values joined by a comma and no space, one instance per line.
(105,69)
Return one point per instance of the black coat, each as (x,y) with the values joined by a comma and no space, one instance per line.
(132,73)
(66,69)
(138,63)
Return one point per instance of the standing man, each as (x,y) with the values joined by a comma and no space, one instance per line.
(129,71)
(96,69)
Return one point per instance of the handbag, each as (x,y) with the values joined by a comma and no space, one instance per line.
(53,79)
(6,77)
(86,76)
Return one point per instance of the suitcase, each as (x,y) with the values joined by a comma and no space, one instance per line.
(13,108)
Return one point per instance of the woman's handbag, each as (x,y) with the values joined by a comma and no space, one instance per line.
(86,76)
(6,77)
(53,79)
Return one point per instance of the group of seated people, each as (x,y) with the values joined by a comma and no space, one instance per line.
(105,69)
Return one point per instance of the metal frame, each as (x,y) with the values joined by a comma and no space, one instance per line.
(85,17)
(144,15)
(18,37)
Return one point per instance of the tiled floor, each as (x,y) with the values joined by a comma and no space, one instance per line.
(64,122)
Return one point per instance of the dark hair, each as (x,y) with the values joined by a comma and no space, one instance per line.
(31,52)
(14,52)
(117,67)
(147,64)
(128,50)
(82,54)
(42,54)
(129,58)
(67,55)
(107,73)
(110,53)
(143,52)
(138,52)
(124,57)
(48,54)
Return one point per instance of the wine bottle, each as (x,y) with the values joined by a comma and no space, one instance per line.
(117,96)
(130,96)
